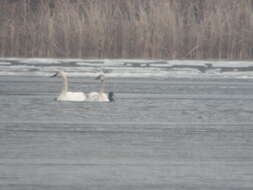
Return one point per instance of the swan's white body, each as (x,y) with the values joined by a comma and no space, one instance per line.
(93,97)
(65,95)
(72,97)
(97,97)
(103,97)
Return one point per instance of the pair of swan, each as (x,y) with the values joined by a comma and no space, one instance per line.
(66,95)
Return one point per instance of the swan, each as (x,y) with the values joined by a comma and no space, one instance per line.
(65,95)
(101,96)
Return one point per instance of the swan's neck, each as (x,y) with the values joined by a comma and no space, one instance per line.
(102,86)
(65,84)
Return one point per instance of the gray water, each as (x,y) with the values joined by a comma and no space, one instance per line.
(166,133)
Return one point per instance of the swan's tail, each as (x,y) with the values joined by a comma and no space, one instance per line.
(111,96)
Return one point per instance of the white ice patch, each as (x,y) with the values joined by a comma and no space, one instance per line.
(39,61)
(4,63)
(129,68)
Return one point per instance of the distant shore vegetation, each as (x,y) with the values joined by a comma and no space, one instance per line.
(152,29)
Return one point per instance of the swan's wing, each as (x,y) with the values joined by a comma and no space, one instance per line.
(93,96)
(103,97)
(97,97)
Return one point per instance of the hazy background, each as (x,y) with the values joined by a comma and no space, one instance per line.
(169,29)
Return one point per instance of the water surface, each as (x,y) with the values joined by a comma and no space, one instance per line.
(160,133)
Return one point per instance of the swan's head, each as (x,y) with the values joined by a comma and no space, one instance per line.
(100,77)
(59,73)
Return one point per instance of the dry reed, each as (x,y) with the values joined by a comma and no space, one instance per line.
(167,29)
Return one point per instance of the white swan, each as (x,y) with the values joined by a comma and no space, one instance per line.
(101,96)
(65,95)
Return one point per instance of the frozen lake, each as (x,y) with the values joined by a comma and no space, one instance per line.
(176,133)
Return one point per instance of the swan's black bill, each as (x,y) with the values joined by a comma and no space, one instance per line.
(100,77)
(55,75)
(111,96)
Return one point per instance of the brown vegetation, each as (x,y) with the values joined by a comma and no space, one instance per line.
(183,29)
